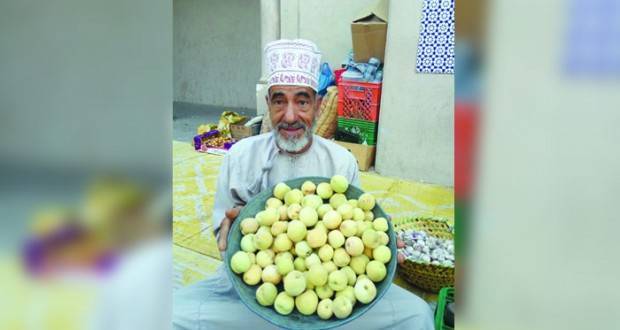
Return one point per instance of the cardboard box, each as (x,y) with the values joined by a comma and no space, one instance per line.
(364,154)
(369,31)
(239,131)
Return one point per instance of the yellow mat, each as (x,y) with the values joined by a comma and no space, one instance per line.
(194,178)
(35,304)
(66,306)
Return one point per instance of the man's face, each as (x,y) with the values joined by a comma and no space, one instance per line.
(292,110)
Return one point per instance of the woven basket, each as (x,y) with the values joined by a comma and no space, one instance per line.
(428,277)
(328,114)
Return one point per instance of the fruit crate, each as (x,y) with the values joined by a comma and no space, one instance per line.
(359,100)
(360,130)
(338,73)
(444,318)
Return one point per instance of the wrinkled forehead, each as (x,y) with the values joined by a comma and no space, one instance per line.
(291,91)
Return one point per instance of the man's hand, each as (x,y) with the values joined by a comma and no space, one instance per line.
(230,216)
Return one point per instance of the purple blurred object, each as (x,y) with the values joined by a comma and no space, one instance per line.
(197,142)
(33,255)
(106,263)
(35,249)
(228,145)
(198,138)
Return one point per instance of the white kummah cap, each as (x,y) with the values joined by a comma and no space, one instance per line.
(293,62)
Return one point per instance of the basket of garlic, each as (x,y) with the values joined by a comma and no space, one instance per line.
(428,251)
(311,253)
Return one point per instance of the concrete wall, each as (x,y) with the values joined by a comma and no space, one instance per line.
(217,52)
(326,22)
(416,125)
(85,83)
(548,159)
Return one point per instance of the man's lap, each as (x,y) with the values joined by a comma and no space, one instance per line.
(214,304)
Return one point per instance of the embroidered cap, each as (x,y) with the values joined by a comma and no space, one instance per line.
(293,62)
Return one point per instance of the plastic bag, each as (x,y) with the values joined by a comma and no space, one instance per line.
(226,119)
(326,78)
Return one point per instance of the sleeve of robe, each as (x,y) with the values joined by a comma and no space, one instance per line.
(226,196)
(355,179)
(354,172)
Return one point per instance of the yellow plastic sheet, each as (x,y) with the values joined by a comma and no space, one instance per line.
(194,178)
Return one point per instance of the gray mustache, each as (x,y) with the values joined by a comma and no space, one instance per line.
(293,126)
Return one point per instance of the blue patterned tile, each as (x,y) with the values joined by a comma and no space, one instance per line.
(436,46)
(592,38)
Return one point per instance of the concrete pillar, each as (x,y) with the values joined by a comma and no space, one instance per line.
(416,124)
(289,17)
(270,31)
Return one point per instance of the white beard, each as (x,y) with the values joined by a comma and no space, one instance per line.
(294,145)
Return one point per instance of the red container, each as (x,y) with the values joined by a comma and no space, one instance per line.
(359,100)
(466,123)
(337,74)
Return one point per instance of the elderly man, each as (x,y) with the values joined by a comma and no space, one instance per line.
(255,164)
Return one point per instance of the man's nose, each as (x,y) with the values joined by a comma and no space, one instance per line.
(290,115)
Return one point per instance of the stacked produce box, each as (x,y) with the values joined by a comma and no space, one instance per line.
(358,119)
